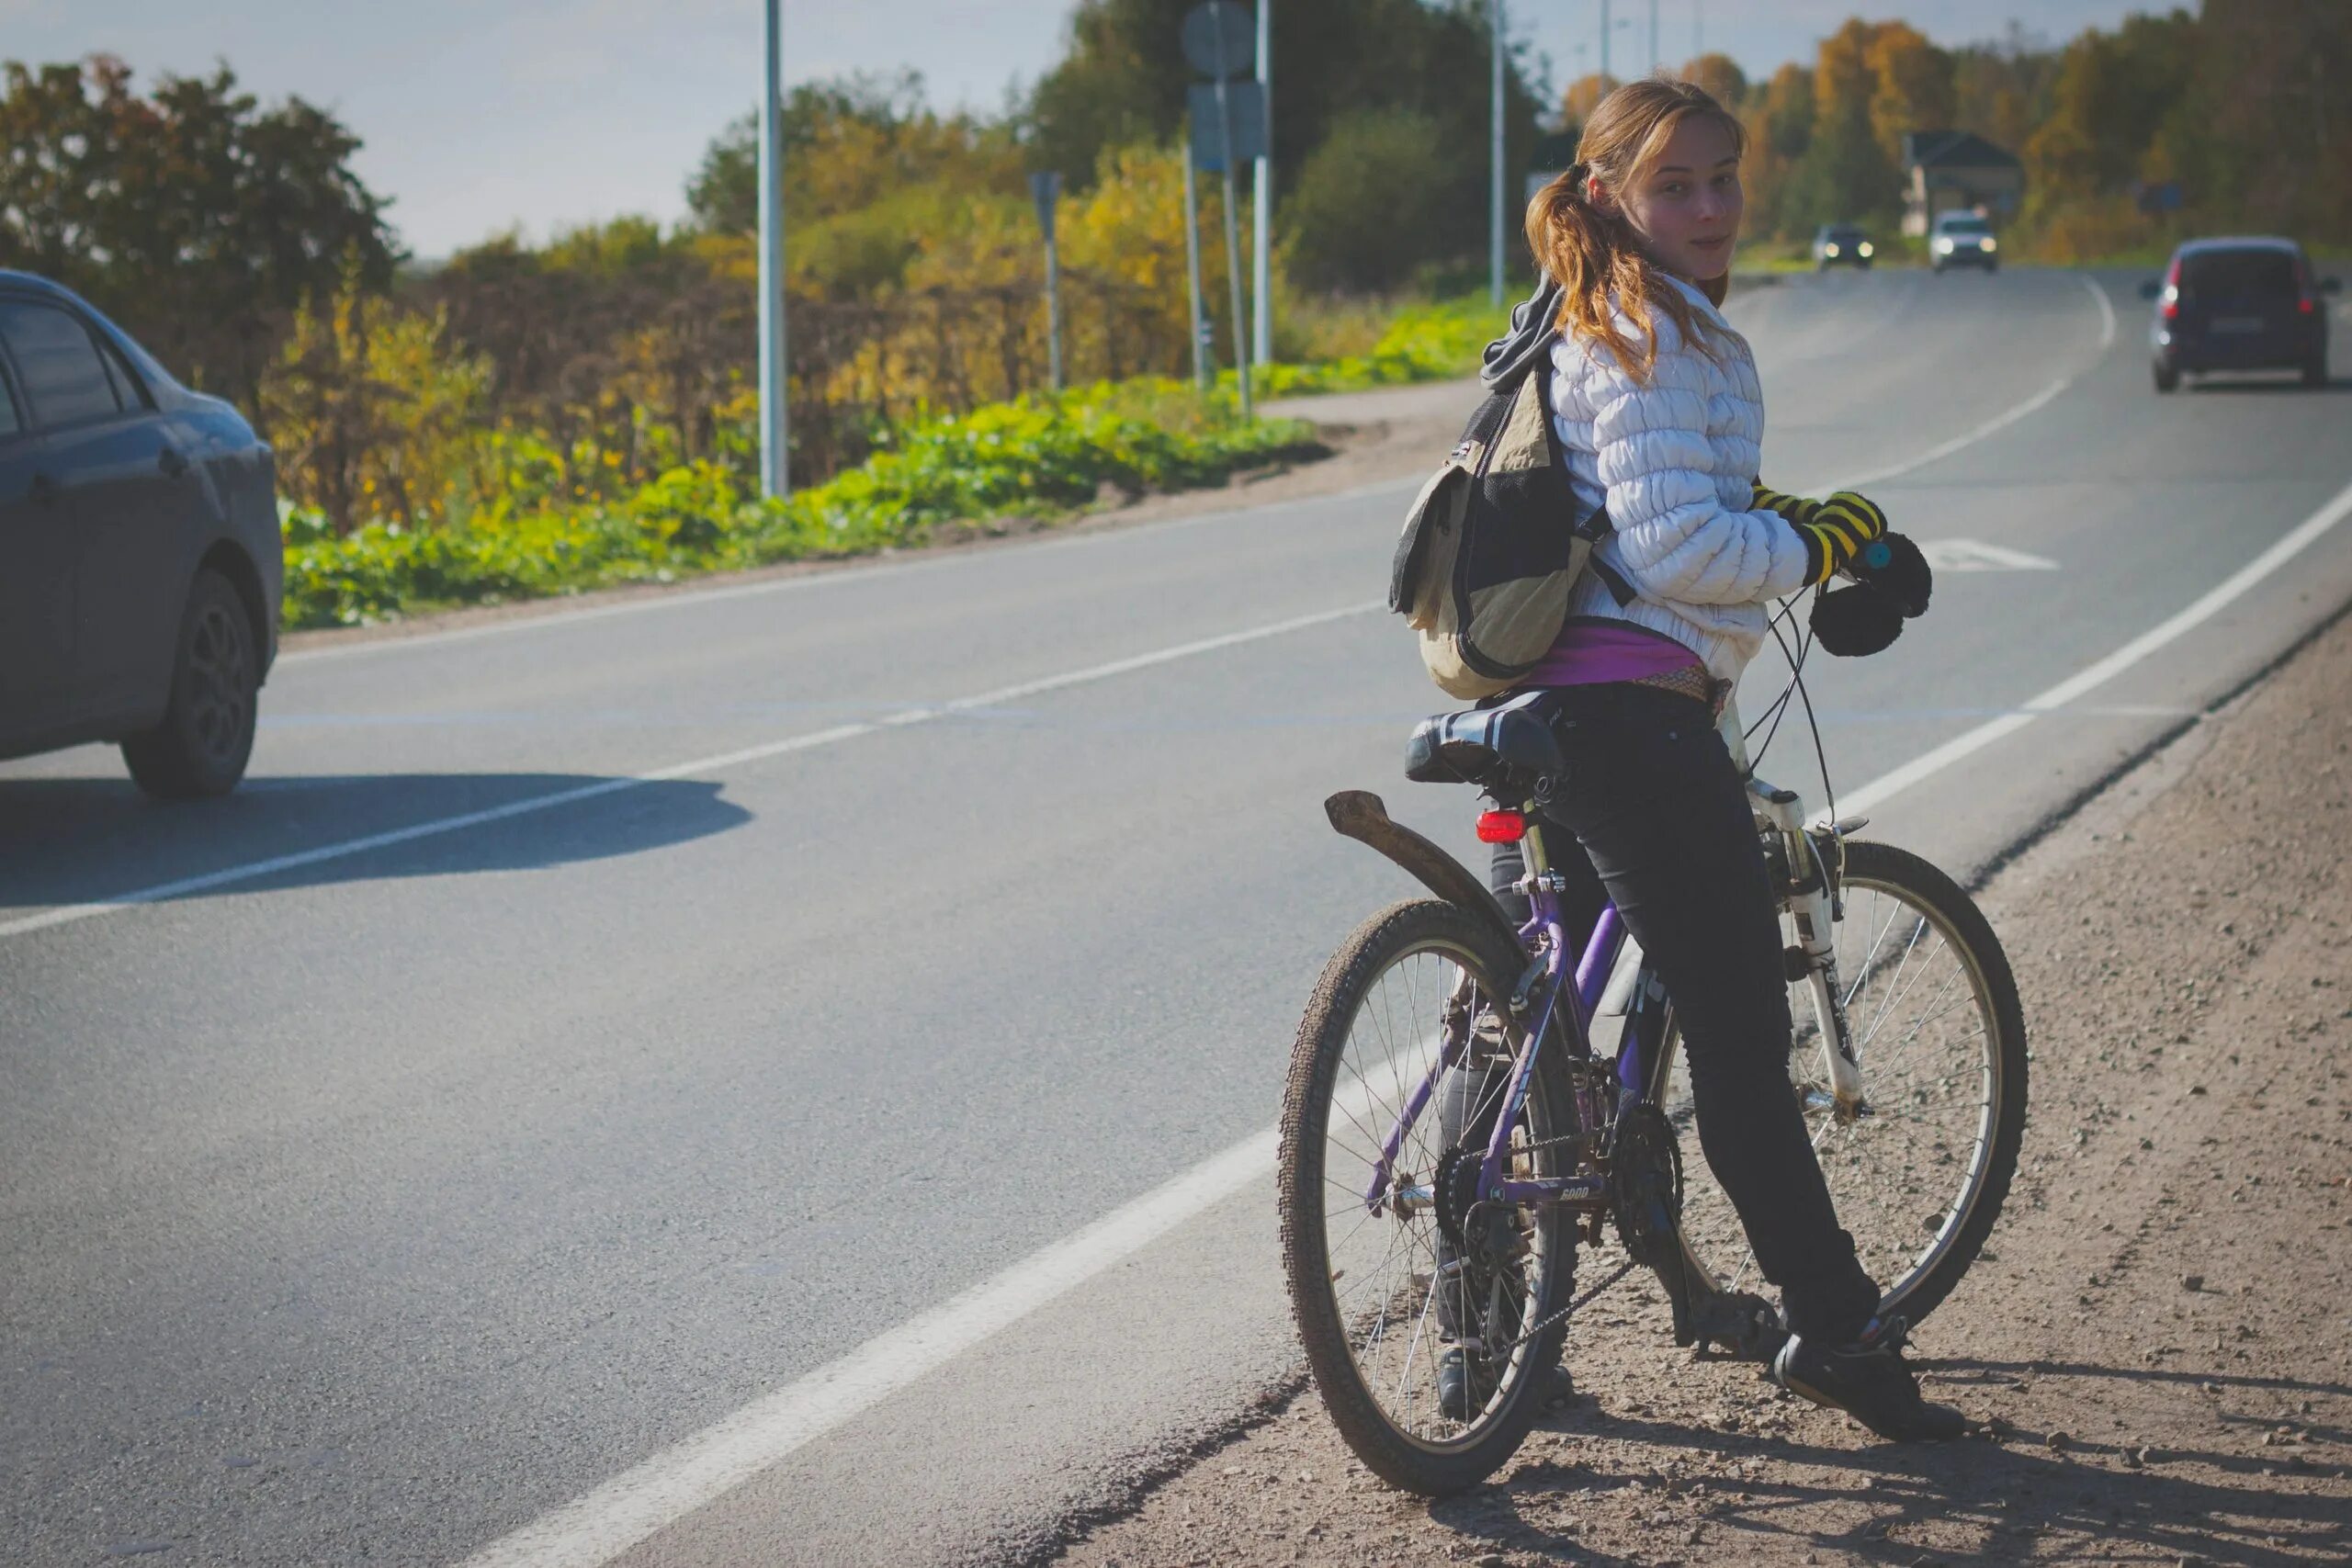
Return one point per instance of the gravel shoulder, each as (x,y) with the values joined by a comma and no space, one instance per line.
(2157,1338)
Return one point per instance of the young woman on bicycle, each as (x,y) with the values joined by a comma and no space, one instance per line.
(1657,406)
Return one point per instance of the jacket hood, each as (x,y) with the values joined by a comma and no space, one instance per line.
(1514,354)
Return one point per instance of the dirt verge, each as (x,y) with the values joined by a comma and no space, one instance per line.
(2158,1336)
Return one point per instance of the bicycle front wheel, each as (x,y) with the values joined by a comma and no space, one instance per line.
(1918,1173)
(1426,1316)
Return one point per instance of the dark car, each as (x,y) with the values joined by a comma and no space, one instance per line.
(2244,303)
(1841,244)
(139,557)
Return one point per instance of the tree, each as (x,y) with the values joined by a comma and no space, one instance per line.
(849,142)
(1844,173)
(371,412)
(1914,87)
(1370,206)
(196,218)
(1720,76)
(1123,82)
(1583,97)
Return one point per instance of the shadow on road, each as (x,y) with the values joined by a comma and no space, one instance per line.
(2288,383)
(86,840)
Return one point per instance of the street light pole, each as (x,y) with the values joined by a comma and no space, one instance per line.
(1655,60)
(1495,188)
(1232,220)
(776,467)
(1262,345)
(1604,45)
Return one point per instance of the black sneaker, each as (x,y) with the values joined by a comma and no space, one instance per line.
(1453,1384)
(1868,1381)
(1554,1387)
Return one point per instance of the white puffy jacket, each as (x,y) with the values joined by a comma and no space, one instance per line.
(1674,457)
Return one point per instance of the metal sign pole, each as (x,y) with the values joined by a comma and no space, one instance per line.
(1232,227)
(1046,188)
(775,468)
(1262,340)
(1193,267)
(1494,135)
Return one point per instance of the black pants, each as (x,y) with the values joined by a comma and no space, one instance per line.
(1654,800)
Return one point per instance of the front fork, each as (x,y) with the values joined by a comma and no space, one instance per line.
(1808,865)
(1808,869)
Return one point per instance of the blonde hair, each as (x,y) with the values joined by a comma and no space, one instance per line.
(1593,255)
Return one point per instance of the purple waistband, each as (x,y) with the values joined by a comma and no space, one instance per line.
(1588,652)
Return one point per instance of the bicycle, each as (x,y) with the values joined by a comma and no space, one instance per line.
(1431,1256)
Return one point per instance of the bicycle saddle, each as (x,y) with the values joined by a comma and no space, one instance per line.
(1478,745)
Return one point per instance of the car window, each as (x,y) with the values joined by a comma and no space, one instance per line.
(11,422)
(2243,274)
(128,391)
(1969,225)
(62,375)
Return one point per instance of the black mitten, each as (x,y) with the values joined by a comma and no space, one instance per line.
(1893,565)
(1851,622)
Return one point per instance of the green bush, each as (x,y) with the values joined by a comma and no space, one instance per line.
(1037,457)
(1423,343)
(1371,204)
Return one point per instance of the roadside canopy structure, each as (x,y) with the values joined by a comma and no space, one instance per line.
(1947,169)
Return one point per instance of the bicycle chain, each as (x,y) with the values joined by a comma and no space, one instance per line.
(1583,1301)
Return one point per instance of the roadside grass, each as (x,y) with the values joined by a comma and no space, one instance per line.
(549,531)
(1044,458)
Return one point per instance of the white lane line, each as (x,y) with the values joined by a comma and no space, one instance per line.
(2082,681)
(595,1529)
(251,870)
(602,1524)
(2000,421)
(1975,555)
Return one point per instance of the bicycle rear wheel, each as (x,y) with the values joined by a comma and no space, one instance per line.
(1919,1175)
(1394,1283)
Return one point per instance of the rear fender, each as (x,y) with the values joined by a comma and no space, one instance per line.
(1362,816)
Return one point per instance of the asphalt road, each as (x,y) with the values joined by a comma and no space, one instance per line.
(738,976)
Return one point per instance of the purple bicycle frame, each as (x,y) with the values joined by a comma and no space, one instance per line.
(1593,969)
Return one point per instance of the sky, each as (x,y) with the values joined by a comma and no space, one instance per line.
(479,115)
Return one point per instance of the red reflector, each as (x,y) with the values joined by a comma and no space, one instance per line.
(2306,304)
(1501,827)
(2172,310)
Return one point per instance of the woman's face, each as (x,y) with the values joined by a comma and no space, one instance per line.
(1687,206)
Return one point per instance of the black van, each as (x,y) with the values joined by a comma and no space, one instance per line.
(2238,304)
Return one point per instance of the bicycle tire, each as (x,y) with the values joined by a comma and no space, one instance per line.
(1412,1461)
(1932,1275)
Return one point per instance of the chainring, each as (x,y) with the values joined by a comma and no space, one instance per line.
(1645,1185)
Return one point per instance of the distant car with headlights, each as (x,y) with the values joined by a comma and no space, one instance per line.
(1963,239)
(1841,244)
(141,561)
(2247,302)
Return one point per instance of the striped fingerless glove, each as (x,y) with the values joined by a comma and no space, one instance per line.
(1838,530)
(1794,508)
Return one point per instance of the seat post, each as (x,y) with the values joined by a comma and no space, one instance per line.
(1531,847)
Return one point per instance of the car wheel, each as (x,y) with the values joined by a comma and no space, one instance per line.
(1938,269)
(2315,369)
(1992,267)
(2167,375)
(200,748)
